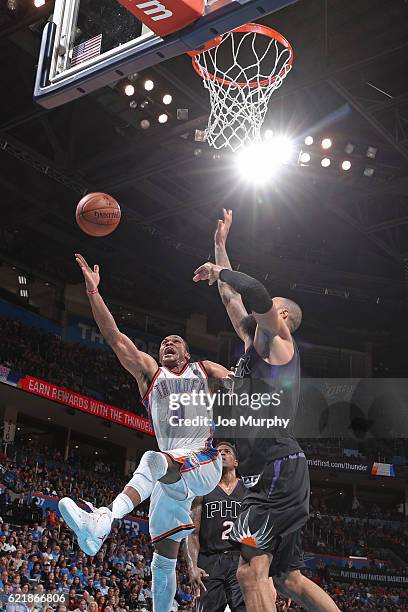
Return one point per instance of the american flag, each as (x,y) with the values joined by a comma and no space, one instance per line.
(86,50)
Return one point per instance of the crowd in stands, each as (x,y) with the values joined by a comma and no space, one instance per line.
(38,553)
(350,506)
(49,474)
(95,373)
(357,537)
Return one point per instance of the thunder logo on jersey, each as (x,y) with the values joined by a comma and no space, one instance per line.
(169,386)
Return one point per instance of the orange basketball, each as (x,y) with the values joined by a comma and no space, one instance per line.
(98,214)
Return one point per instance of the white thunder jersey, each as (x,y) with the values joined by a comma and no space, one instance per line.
(169,423)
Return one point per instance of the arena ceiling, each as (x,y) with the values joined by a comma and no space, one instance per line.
(337,242)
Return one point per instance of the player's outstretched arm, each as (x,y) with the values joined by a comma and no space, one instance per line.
(192,548)
(252,291)
(216,370)
(230,298)
(141,365)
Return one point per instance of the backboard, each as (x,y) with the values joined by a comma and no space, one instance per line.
(88,44)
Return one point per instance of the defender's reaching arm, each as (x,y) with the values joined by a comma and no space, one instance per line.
(230,298)
(141,365)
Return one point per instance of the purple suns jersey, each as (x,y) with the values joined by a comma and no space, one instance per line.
(219,511)
(257,449)
(178,408)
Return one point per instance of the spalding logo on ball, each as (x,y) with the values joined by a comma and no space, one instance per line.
(98,214)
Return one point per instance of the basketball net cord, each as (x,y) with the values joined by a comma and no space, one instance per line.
(239,96)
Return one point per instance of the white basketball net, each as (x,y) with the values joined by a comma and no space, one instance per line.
(238,111)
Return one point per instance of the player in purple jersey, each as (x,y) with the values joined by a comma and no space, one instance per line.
(212,560)
(276,507)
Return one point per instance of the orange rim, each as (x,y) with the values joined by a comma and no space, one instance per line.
(256,28)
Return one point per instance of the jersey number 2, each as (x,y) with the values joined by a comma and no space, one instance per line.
(228,526)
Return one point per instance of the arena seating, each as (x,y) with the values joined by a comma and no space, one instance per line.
(92,372)
(39,552)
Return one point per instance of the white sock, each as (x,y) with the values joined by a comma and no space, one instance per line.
(163,582)
(121,506)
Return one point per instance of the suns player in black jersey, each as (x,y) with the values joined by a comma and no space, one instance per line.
(211,559)
(276,507)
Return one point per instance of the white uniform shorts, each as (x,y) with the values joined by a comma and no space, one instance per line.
(170,504)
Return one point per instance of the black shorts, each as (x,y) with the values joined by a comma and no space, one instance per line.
(288,556)
(222,584)
(275,509)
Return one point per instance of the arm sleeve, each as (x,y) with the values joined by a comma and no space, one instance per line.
(254,294)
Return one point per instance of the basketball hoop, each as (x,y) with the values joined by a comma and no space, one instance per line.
(241,69)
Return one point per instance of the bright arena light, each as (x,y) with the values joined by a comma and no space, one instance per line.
(346,165)
(304,158)
(309,140)
(268,135)
(148,85)
(167,99)
(163,118)
(326,143)
(129,90)
(325,162)
(259,162)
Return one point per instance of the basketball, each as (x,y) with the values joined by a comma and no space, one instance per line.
(98,214)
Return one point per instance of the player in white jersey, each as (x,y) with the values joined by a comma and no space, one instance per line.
(187,464)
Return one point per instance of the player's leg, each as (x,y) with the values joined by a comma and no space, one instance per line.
(235,598)
(92,528)
(153,467)
(169,523)
(213,599)
(287,561)
(164,583)
(253,577)
(305,592)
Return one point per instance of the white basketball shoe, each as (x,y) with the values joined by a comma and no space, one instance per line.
(91,528)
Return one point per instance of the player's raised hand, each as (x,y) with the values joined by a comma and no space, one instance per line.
(223,228)
(91,276)
(196,579)
(207,272)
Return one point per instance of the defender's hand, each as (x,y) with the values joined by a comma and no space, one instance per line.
(207,272)
(196,578)
(223,228)
(91,276)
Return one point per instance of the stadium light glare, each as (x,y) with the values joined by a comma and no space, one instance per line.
(326,143)
(309,140)
(258,163)
(167,99)
(325,162)
(163,118)
(346,165)
(148,85)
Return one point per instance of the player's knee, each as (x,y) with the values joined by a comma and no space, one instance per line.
(292,581)
(250,575)
(152,467)
(153,462)
(244,576)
